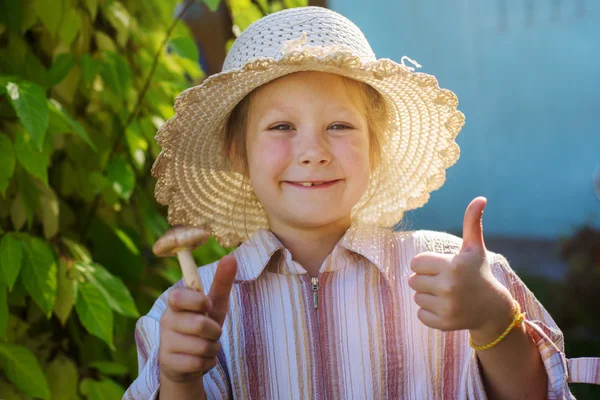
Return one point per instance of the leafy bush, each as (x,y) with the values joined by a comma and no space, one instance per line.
(84,85)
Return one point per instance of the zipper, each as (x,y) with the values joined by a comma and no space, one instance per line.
(315,289)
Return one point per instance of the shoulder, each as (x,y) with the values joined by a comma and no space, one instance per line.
(447,243)
(439,242)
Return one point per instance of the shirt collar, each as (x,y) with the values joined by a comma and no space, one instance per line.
(263,251)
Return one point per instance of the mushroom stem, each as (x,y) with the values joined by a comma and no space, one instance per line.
(189,270)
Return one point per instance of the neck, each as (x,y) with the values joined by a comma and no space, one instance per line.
(311,246)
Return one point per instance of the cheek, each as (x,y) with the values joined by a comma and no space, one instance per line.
(268,157)
(353,154)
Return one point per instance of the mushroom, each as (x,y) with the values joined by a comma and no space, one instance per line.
(181,240)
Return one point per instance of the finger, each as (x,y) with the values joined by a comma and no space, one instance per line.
(189,323)
(426,301)
(473,226)
(221,287)
(193,345)
(429,318)
(185,364)
(429,263)
(423,283)
(185,299)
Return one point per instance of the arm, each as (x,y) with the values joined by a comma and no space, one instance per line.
(465,287)
(512,368)
(146,386)
(530,360)
(192,390)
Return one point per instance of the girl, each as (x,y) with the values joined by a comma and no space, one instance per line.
(307,149)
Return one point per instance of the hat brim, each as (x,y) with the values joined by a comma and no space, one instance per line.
(196,181)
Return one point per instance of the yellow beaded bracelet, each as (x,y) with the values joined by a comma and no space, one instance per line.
(517,320)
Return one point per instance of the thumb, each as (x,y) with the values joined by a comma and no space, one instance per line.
(473,226)
(221,287)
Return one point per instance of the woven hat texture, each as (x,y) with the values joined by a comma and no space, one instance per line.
(194,178)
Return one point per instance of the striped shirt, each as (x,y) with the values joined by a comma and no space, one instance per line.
(351,333)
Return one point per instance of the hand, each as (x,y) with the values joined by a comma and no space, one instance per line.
(459,291)
(189,339)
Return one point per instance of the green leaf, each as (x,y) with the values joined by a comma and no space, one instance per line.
(63,378)
(33,160)
(89,68)
(3,311)
(94,312)
(23,369)
(110,367)
(77,250)
(69,27)
(17,59)
(60,67)
(64,123)
(137,145)
(17,328)
(49,212)
(295,3)
(92,7)
(29,195)
(101,390)
(264,6)
(185,47)
(50,12)
(213,5)
(105,42)
(122,177)
(29,102)
(40,273)
(18,213)
(115,292)
(9,391)
(117,250)
(11,14)
(116,73)
(11,256)
(119,18)
(244,13)
(7,162)
(28,15)
(67,291)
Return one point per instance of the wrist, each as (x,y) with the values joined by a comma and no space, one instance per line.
(190,388)
(501,313)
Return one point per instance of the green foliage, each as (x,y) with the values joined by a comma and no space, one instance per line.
(23,369)
(84,84)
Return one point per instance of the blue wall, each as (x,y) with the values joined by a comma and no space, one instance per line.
(528,81)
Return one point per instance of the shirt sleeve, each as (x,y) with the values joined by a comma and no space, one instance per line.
(541,327)
(147,338)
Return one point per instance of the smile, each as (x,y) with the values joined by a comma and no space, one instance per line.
(314,184)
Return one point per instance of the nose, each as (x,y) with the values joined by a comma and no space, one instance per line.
(314,150)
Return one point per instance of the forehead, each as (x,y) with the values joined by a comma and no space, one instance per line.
(310,85)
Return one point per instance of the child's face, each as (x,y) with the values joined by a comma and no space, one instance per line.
(308,127)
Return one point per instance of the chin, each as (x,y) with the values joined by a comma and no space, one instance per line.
(313,218)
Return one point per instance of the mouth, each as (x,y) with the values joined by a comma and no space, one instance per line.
(313,184)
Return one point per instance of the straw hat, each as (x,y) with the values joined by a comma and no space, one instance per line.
(197,182)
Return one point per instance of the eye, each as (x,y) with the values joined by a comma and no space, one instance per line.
(339,127)
(281,127)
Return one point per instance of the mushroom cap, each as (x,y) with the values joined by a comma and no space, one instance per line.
(178,238)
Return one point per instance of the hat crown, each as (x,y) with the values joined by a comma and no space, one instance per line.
(267,37)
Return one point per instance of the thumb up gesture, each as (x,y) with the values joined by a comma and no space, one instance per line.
(459,291)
